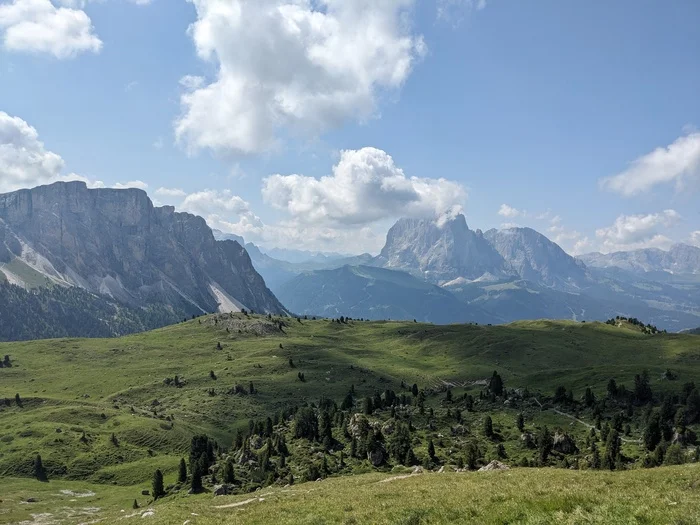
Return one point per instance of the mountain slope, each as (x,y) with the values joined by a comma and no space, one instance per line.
(117,244)
(440,251)
(535,258)
(374,293)
(680,259)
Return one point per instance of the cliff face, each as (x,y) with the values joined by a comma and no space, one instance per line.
(116,243)
(440,252)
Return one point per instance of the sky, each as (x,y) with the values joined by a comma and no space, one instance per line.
(315,124)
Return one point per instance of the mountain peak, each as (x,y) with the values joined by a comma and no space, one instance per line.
(439,250)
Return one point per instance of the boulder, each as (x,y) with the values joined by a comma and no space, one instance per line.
(494,465)
(358,426)
(564,443)
(223,490)
(145,492)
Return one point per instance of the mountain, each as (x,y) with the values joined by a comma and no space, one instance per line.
(680,259)
(440,251)
(375,293)
(694,331)
(116,244)
(535,258)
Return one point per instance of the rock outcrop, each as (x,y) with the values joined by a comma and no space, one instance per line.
(117,244)
(440,250)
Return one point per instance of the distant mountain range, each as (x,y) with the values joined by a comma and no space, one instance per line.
(367,292)
(117,245)
(680,259)
(499,276)
(142,266)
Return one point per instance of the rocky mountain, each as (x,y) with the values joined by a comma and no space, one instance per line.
(680,259)
(116,244)
(537,259)
(375,293)
(441,251)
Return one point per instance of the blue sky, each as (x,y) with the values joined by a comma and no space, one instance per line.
(577,119)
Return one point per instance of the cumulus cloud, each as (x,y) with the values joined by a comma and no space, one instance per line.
(38,26)
(677,163)
(24,161)
(695,238)
(454,11)
(171,192)
(508,211)
(631,232)
(291,67)
(366,186)
(139,184)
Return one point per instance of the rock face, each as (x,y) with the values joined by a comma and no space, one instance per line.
(117,244)
(535,258)
(494,465)
(440,251)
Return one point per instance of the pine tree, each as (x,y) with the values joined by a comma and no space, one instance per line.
(545,442)
(135,505)
(520,422)
(488,427)
(182,472)
(39,470)
(196,485)
(229,475)
(612,450)
(18,400)
(158,487)
(496,384)
(431,449)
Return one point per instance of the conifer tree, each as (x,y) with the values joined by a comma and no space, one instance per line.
(182,472)
(158,487)
(488,427)
(229,475)
(39,470)
(196,485)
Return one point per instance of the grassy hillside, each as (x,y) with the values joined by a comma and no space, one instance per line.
(101,413)
(529,496)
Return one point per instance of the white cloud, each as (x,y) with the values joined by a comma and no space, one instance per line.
(37,26)
(131,184)
(297,67)
(24,161)
(676,163)
(695,238)
(171,192)
(366,186)
(630,232)
(508,211)
(453,11)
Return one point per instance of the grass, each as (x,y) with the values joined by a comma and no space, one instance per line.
(78,393)
(668,495)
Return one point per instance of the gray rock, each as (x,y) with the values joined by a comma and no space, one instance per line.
(223,490)
(440,251)
(116,243)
